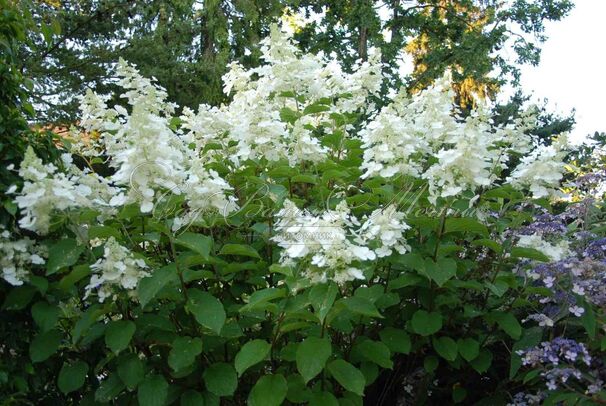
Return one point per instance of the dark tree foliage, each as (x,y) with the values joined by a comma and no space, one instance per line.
(583,157)
(548,124)
(187,44)
(464,35)
(15,106)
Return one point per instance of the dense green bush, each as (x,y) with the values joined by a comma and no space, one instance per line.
(297,246)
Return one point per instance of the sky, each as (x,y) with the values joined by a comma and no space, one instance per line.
(572,71)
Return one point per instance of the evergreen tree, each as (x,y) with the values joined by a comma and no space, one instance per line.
(187,44)
(463,35)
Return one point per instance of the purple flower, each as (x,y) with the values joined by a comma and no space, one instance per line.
(555,351)
(596,249)
(546,225)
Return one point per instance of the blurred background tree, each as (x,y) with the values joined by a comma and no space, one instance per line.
(187,44)
(17,28)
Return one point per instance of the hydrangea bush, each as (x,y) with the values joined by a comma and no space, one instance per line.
(301,245)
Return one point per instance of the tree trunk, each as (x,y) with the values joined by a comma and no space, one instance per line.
(363,44)
(395,24)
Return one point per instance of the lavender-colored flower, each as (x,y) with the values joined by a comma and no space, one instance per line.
(527,399)
(596,250)
(576,310)
(542,319)
(555,351)
(595,387)
(545,225)
(561,359)
(569,279)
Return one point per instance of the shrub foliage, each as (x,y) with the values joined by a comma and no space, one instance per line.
(300,246)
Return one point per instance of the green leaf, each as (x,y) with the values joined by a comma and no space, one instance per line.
(239,249)
(270,390)
(311,356)
(97,231)
(499,288)
(77,273)
(109,389)
(44,345)
(39,282)
(361,306)
(192,398)
(297,391)
(372,293)
(45,315)
(130,370)
(283,270)
(207,310)
(288,115)
(588,319)
(250,354)
(184,352)
(304,179)
(370,370)
(531,253)
(261,297)
(149,287)
(118,335)
(377,352)
(63,254)
(19,297)
(530,338)
(465,225)
(284,171)
(153,391)
(403,281)
(531,375)
(485,242)
(72,376)
(508,323)
(323,399)
(86,321)
(322,296)
(221,379)
(198,243)
(348,376)
(430,363)
(468,348)
(441,271)
(483,361)
(411,260)
(459,394)
(425,323)
(316,108)
(47,33)
(397,340)
(446,348)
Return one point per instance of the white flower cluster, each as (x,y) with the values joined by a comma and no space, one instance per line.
(385,229)
(151,160)
(555,252)
(333,245)
(542,170)
(277,107)
(117,269)
(425,137)
(295,108)
(205,190)
(46,190)
(17,257)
